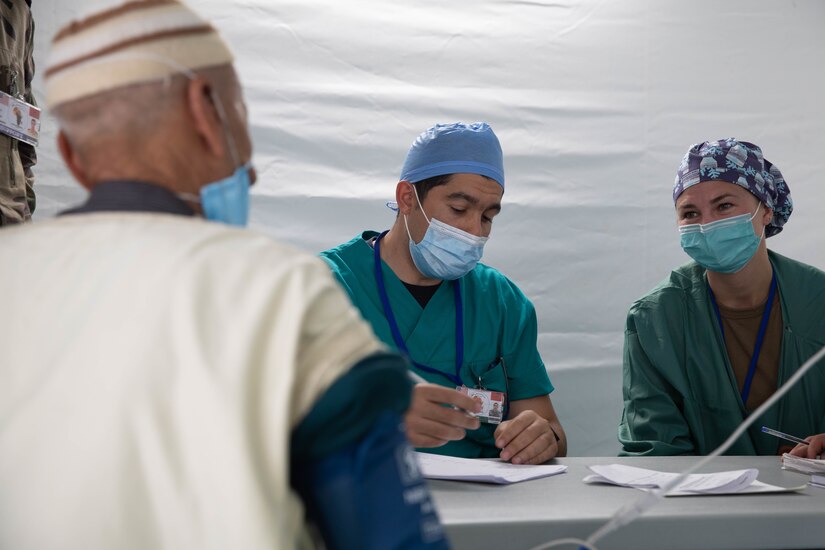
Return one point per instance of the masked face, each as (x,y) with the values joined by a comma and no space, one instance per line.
(445,252)
(721,225)
(723,246)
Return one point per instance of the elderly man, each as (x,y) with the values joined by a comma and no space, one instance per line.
(463,324)
(172,376)
(714,341)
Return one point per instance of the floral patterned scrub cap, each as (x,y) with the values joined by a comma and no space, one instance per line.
(741,163)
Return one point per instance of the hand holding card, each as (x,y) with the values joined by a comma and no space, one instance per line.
(492,403)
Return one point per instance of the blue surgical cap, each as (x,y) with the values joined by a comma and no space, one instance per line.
(456,148)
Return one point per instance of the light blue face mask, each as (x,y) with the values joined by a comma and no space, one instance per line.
(723,246)
(227,200)
(445,252)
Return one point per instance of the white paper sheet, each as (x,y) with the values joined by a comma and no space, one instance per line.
(486,471)
(717,483)
(642,478)
(803,465)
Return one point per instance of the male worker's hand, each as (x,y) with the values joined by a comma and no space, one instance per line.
(526,439)
(432,424)
(814,448)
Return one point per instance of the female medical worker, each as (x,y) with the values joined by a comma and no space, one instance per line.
(462,324)
(715,339)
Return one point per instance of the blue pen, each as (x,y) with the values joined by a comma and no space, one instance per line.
(784,436)
(418,379)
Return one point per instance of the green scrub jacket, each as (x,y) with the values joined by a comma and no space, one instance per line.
(499,321)
(680,393)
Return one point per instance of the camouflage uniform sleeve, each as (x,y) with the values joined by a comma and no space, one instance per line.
(28,155)
(16,72)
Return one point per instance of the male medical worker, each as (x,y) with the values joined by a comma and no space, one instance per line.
(463,325)
(715,339)
(173,375)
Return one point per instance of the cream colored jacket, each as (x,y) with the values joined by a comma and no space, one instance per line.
(150,378)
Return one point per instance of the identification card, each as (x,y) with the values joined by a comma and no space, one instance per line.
(19,120)
(492,404)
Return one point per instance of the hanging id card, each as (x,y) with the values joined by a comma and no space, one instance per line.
(492,404)
(19,120)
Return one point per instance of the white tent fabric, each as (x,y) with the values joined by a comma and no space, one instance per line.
(594,102)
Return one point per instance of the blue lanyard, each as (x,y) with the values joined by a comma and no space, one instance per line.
(766,315)
(396,334)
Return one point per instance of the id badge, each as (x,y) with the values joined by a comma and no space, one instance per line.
(19,120)
(492,403)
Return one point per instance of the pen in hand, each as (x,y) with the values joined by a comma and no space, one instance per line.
(418,379)
(783,435)
(415,377)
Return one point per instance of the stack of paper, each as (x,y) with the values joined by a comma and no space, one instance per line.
(803,465)
(719,483)
(811,466)
(487,471)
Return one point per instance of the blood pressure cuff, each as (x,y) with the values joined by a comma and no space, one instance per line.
(346,412)
(371,495)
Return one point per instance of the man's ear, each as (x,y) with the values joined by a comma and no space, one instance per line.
(405,197)
(72,160)
(200,102)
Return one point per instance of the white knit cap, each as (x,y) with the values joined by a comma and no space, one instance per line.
(136,42)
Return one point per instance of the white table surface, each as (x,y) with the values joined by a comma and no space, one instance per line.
(519,516)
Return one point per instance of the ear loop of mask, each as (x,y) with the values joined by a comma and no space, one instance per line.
(415,191)
(758,206)
(233,148)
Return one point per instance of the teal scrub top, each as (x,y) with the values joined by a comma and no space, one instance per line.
(499,322)
(680,392)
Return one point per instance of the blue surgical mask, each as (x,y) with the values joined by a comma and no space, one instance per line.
(227,200)
(445,252)
(723,246)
